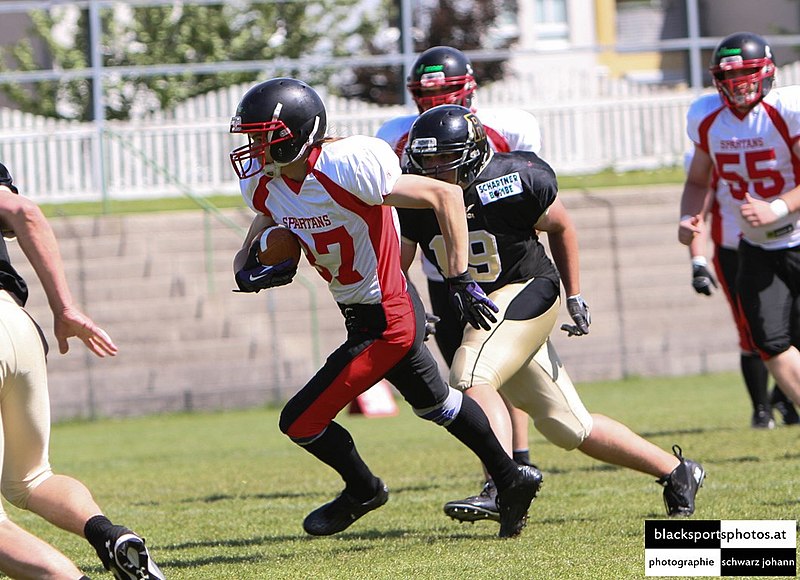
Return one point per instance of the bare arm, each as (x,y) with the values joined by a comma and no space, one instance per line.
(259,224)
(563,240)
(693,200)
(408,250)
(447,201)
(38,242)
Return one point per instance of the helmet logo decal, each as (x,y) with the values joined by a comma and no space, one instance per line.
(729,51)
(236,124)
(423,68)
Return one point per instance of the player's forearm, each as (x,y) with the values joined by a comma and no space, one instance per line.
(564,248)
(792,199)
(693,199)
(452,218)
(38,242)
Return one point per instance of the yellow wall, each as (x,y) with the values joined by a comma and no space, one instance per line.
(618,64)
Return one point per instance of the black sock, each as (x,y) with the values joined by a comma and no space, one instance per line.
(522,456)
(472,428)
(95,530)
(756,378)
(335,447)
(778,396)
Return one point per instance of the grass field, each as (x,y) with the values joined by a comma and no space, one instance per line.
(222,496)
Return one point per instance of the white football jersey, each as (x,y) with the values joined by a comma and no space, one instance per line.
(723,213)
(336,211)
(753,154)
(507,129)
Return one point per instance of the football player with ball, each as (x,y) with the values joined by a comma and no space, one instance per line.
(337,197)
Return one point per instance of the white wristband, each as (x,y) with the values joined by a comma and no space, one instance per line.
(699,261)
(779,208)
(686,217)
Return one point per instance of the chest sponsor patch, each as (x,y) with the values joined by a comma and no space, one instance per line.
(499,188)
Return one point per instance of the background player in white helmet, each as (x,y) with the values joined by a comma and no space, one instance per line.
(721,212)
(750,135)
(514,197)
(443,75)
(336,196)
(28,481)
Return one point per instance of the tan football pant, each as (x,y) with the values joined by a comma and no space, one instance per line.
(24,405)
(517,358)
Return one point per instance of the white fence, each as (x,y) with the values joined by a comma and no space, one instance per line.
(588,124)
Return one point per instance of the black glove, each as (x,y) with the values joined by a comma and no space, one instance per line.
(5,179)
(254,277)
(702,279)
(579,311)
(471,302)
(430,324)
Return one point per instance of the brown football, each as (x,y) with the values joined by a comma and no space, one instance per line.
(277,244)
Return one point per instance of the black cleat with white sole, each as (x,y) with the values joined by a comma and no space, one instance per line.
(514,501)
(337,515)
(127,557)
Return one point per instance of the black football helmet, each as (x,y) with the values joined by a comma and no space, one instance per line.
(438,67)
(445,138)
(283,116)
(749,53)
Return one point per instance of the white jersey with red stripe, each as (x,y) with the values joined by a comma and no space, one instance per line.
(725,230)
(336,211)
(753,154)
(507,129)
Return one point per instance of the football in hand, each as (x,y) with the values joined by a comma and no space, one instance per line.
(278,244)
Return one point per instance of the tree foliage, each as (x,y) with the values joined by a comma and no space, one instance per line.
(173,35)
(270,31)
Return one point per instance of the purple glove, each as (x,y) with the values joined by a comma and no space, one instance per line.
(579,311)
(471,302)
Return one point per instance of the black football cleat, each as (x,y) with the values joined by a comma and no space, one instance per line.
(785,408)
(762,418)
(514,501)
(127,558)
(337,515)
(476,507)
(681,485)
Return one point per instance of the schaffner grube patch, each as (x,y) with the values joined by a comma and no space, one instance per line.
(499,188)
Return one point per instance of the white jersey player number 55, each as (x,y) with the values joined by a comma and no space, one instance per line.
(766,182)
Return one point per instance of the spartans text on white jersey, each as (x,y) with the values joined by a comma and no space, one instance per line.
(753,154)
(347,234)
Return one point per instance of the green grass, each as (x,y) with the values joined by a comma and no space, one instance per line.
(604,179)
(223,495)
(610,178)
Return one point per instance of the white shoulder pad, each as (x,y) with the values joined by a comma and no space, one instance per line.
(701,108)
(519,128)
(364,166)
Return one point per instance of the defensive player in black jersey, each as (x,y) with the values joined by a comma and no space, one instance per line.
(510,197)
